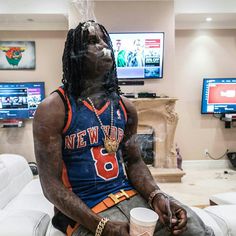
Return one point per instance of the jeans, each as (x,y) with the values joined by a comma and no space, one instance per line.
(120,212)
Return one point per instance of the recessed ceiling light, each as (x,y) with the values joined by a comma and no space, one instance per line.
(208,19)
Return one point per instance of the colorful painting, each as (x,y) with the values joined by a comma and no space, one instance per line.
(17,55)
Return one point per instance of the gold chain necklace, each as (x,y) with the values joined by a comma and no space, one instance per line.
(111,144)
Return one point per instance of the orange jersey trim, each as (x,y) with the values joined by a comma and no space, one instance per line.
(124,110)
(69,111)
(65,179)
(70,230)
(99,112)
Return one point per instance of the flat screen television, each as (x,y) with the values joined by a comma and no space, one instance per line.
(138,55)
(218,96)
(19,100)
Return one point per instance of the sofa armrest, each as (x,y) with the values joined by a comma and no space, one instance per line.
(16,173)
(225,217)
(23,223)
(224,198)
(209,221)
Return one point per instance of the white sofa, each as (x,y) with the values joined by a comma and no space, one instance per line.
(228,198)
(24,211)
(220,218)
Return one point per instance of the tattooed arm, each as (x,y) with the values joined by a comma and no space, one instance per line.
(47,129)
(142,179)
(170,213)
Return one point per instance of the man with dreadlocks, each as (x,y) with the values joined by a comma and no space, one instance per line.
(83,133)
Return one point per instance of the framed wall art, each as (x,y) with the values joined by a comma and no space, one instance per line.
(17,55)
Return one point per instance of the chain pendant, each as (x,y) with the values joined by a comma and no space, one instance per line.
(111,145)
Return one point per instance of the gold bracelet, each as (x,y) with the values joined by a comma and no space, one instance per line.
(101,226)
(153,194)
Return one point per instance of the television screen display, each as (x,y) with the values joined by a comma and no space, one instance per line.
(219,96)
(20,100)
(138,55)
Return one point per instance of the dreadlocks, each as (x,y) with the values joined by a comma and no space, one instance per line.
(75,48)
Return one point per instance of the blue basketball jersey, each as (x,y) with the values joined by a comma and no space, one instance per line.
(88,170)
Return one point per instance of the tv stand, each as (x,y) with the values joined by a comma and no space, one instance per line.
(228,119)
(11,123)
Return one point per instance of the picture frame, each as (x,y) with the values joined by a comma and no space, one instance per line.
(17,55)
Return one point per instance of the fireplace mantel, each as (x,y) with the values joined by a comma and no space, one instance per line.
(159,116)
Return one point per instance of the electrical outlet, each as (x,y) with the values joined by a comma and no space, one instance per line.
(205,151)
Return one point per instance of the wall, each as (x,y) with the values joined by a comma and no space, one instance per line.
(201,54)
(139,16)
(32,7)
(115,16)
(49,48)
(203,6)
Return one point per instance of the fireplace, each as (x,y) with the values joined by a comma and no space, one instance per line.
(146,143)
(158,116)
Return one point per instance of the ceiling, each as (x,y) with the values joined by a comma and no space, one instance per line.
(33,22)
(33,15)
(53,15)
(192,14)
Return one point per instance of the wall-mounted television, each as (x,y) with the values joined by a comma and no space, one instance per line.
(218,96)
(19,100)
(138,55)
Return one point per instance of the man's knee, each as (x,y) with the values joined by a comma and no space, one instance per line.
(196,226)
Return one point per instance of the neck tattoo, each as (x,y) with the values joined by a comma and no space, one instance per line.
(111,144)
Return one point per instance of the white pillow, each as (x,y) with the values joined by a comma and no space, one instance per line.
(23,223)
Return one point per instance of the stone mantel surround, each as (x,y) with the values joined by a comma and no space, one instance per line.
(158,115)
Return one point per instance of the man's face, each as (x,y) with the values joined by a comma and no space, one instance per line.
(97,60)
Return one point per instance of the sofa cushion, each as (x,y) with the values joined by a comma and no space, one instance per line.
(31,198)
(16,173)
(33,187)
(224,198)
(225,217)
(4,195)
(208,220)
(31,202)
(23,223)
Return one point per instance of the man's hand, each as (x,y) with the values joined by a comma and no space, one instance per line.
(170,214)
(116,228)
